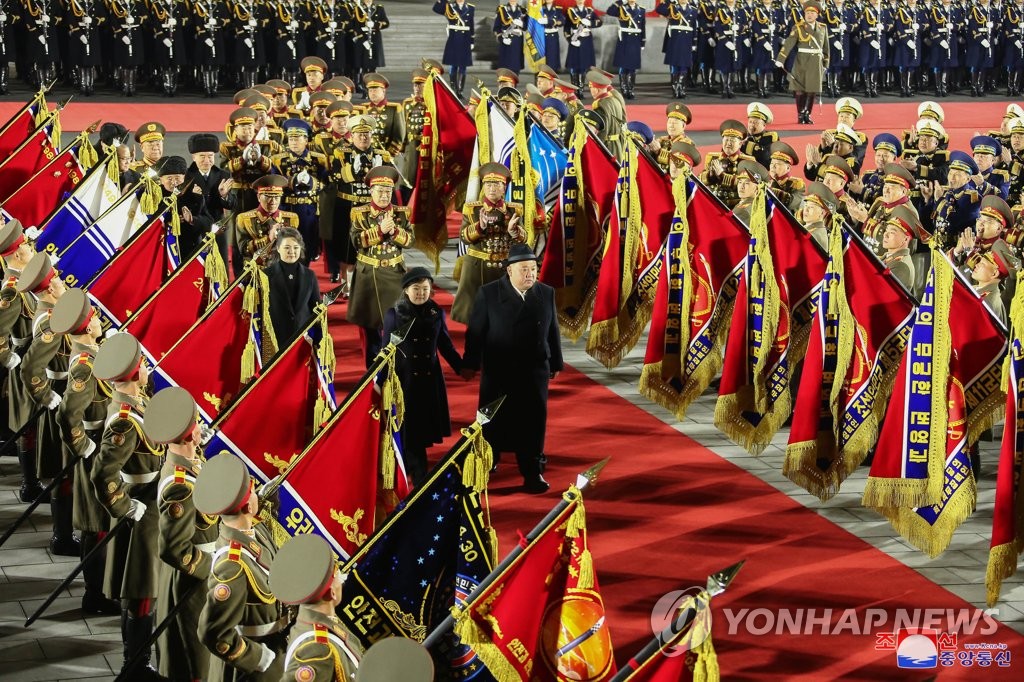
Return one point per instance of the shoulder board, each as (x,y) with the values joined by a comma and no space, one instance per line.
(320,633)
(402,210)
(124,412)
(362,208)
(289,215)
(393,105)
(1005,174)
(942,154)
(11,281)
(180,475)
(745,157)
(514,206)
(472,204)
(317,155)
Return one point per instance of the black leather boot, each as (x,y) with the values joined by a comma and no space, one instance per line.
(138,630)
(31,488)
(93,601)
(63,542)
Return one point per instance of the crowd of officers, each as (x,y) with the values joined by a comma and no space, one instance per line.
(125,42)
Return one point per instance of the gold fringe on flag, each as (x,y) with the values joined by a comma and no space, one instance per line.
(172,208)
(476,472)
(325,354)
(41,110)
(771,298)
(1002,563)
(521,166)
(392,407)
(214,270)
(87,155)
(705,667)
(483,129)
(472,635)
(575,305)
(55,131)
(256,301)
(149,201)
(113,170)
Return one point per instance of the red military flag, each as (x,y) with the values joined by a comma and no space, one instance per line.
(770,323)
(21,125)
(858,334)
(700,270)
(542,617)
(43,193)
(29,157)
(572,258)
(946,394)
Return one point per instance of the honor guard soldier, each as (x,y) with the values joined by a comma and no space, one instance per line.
(986,151)
(490,226)
(305,573)
(677,117)
(612,111)
(946,20)
(458,48)
(789,189)
(242,623)
(44,373)
(749,174)
(380,231)
(313,68)
(887,150)
(989,273)
(288,23)
(759,140)
(956,208)
(873,54)
(414,111)
(17,311)
(818,205)
(720,166)
(728,31)
(167,44)
(981,39)
(256,230)
(552,19)
(580,21)
(40,22)
(906,32)
(124,478)
(896,185)
(680,44)
(6,39)
(306,172)
(150,137)
(509,26)
(632,19)
(389,132)
(809,39)
(125,23)
(83,20)
(365,26)
(553,116)
(896,238)
(766,25)
(210,22)
(330,41)
(839,18)
(1013,45)
(187,537)
(247,23)
(396,658)
(80,419)
(683,157)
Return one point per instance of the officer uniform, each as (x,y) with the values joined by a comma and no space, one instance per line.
(872,181)
(509,26)
(839,18)
(458,48)
(487,239)
(305,572)
(414,111)
(612,111)
(681,112)
(873,53)
(822,196)
(253,227)
(728,30)
(306,172)
(946,20)
(759,146)
(209,22)
(683,155)
(906,32)
(7,22)
(147,132)
(981,35)
(810,62)
(840,167)
(242,623)
(552,19)
(680,44)
(957,208)
(789,189)
(288,21)
(899,263)
(580,58)
(755,173)
(931,166)
(882,213)
(247,23)
(632,20)
(389,120)
(997,180)
(365,26)
(723,185)
(1013,45)
(766,22)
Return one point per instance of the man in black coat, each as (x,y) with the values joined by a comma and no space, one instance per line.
(213,182)
(513,335)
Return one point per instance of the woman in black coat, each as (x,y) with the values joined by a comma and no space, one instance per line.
(294,291)
(419,370)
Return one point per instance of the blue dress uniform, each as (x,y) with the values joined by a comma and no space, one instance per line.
(680,40)
(766,35)
(945,21)
(872,55)
(997,180)
(1013,46)
(705,50)
(907,44)
(247,22)
(957,208)
(980,33)
(632,38)
(306,172)
(509,26)
(839,19)
(458,49)
(729,32)
(580,21)
(328,35)
(552,19)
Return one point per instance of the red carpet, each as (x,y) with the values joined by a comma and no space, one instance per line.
(667,512)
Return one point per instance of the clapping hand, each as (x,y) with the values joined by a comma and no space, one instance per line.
(387,225)
(513,225)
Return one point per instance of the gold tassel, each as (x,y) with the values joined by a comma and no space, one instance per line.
(87,155)
(175,219)
(267,331)
(483,128)
(325,353)
(493,536)
(1002,563)
(113,171)
(706,667)
(248,361)
(771,301)
(55,131)
(578,521)
(148,202)
(586,577)
(1016,324)
(393,408)
(214,270)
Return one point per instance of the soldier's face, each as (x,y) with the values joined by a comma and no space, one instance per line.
(812,212)
(494,191)
(957,178)
(261,119)
(883,157)
(172,182)
(314,78)
(124,158)
(984,161)
(927,143)
(25,252)
(320,114)
(778,168)
(755,125)
(95,328)
(203,161)
(289,250)
(336,588)
(846,118)
(745,187)
(988,227)
(362,140)
(281,100)
(381,195)
(894,239)
(545,84)
(892,191)
(56,288)
(418,292)
(245,132)
(842,148)
(523,274)
(1004,127)
(270,202)
(143,373)
(810,15)
(297,143)
(550,121)
(153,149)
(1017,141)
(985,271)
(730,145)
(675,126)
(833,182)
(376,94)
(511,108)
(339,124)
(417,89)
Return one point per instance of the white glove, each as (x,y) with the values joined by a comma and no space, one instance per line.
(838,45)
(711,42)
(290,44)
(130,21)
(874,44)
(45,18)
(303,178)
(167,42)
(42,39)
(768,47)
(304,100)
(88,450)
(126,40)
(729,45)
(293,25)
(332,24)
(172,22)
(543,21)
(988,24)
(253,23)
(84,39)
(12,361)
(3,16)
(585,22)
(778,63)
(985,44)
(357,163)
(507,41)
(1017,44)
(86,20)
(329,44)
(746,42)
(370,25)
(267,657)
(52,400)
(248,43)
(518,23)
(209,42)
(842,27)
(137,511)
(944,44)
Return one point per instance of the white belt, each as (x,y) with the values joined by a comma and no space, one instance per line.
(19,342)
(551,30)
(139,478)
(262,630)
(56,376)
(457,28)
(207,547)
(629,30)
(680,28)
(92,424)
(808,50)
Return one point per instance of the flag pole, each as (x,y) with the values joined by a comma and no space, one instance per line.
(584,480)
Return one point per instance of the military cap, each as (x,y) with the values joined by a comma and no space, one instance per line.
(362,124)
(322,99)
(280,87)
(382,175)
(37,274)
(111,132)
(898,175)
(897,224)
(905,214)
(678,110)
(753,170)
(313,64)
(845,133)
(12,235)
(507,94)
(242,116)
(474,99)
(420,75)
(203,142)
(416,274)
(242,95)
(821,195)
(223,486)
(1014,110)
(268,91)
(150,131)
(396,658)
(520,252)
(346,83)
(547,72)
(685,151)
(340,108)
(553,105)
(593,117)
(959,160)
(334,86)
(758,110)
(72,313)
(998,259)
(812,5)
(118,358)
(641,130)
(836,164)
(507,76)
(171,165)
(1016,125)
(932,110)
(993,206)
(532,89)
(270,184)
(535,101)
(985,144)
(170,416)
(375,80)
(783,152)
(887,141)
(732,128)
(297,127)
(565,87)
(257,102)
(494,172)
(432,65)
(930,128)
(302,570)
(599,78)
(850,106)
